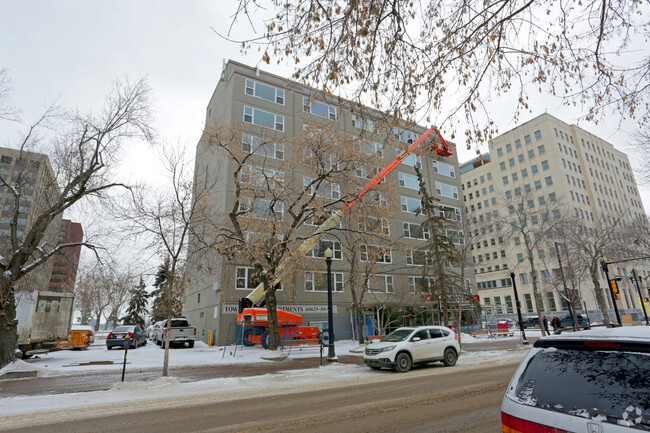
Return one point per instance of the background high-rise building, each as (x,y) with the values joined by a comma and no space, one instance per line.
(66,261)
(555,165)
(32,177)
(267,107)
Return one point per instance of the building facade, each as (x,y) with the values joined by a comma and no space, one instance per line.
(268,107)
(66,261)
(551,163)
(28,180)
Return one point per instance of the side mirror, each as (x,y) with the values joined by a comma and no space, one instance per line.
(414,339)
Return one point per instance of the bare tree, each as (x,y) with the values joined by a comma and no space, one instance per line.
(85,150)
(277,199)
(413,57)
(641,143)
(118,295)
(163,219)
(532,224)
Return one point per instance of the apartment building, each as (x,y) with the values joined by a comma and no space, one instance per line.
(549,162)
(31,176)
(270,108)
(66,261)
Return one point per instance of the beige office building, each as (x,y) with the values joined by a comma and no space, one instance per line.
(552,162)
(265,106)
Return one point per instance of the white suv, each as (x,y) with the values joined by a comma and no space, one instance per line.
(588,381)
(407,346)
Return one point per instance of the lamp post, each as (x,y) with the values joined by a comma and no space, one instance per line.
(521,325)
(331,354)
(604,264)
(638,288)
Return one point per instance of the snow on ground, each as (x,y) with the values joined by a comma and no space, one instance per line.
(157,393)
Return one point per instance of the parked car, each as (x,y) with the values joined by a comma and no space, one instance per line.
(118,336)
(567,322)
(153,330)
(181,333)
(90,329)
(408,345)
(530,322)
(586,381)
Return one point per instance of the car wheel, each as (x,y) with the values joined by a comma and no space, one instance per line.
(108,347)
(190,344)
(536,325)
(248,333)
(450,357)
(403,363)
(265,340)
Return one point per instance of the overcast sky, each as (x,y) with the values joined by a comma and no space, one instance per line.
(71,51)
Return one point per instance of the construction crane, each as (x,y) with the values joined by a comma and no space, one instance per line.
(247,311)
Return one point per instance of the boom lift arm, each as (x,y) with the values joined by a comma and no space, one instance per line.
(440,146)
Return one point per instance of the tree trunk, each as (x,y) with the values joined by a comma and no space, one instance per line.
(98,320)
(8,328)
(593,271)
(271,308)
(358,314)
(533,275)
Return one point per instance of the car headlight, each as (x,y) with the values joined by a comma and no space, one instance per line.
(387,348)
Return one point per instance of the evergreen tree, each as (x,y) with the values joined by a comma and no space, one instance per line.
(438,274)
(137,309)
(161,303)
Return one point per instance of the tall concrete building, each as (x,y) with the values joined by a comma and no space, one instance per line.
(551,162)
(66,261)
(31,176)
(268,107)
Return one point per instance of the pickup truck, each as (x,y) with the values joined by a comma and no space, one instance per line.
(181,332)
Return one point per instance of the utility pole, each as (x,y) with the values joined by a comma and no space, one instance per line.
(566,289)
(638,288)
(604,265)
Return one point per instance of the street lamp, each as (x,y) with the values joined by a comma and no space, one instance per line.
(521,325)
(331,354)
(603,264)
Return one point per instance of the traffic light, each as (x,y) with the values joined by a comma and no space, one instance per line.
(615,289)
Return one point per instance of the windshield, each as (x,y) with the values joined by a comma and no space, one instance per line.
(123,329)
(398,335)
(179,323)
(606,386)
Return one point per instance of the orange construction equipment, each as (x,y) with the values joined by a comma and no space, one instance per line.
(255,319)
(79,339)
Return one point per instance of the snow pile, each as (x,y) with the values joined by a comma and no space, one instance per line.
(20,365)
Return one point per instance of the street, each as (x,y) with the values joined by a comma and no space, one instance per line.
(427,399)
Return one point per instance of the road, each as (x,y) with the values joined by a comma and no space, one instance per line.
(429,399)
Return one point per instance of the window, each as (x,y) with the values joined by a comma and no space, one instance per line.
(262,208)
(524,172)
(404,136)
(366,172)
(245,279)
(412,205)
(416,231)
(500,151)
(520,257)
(318,108)
(449,212)
(538,135)
(445,190)
(317,282)
(408,181)
(533,169)
(515,177)
(325,189)
(413,160)
(263,118)
(372,148)
(363,123)
(511,162)
(544,165)
(375,254)
(381,283)
(521,157)
(417,258)
(444,169)
(541,201)
(379,226)
(5,159)
(531,154)
(318,252)
(257,146)
(518,144)
(548,180)
(541,150)
(502,165)
(420,284)
(264,91)
(505,180)
(508,148)
(552,197)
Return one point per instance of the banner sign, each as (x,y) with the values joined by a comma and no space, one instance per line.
(298,309)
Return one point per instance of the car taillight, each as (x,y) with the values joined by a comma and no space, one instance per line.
(129,335)
(110,335)
(510,424)
(194,331)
